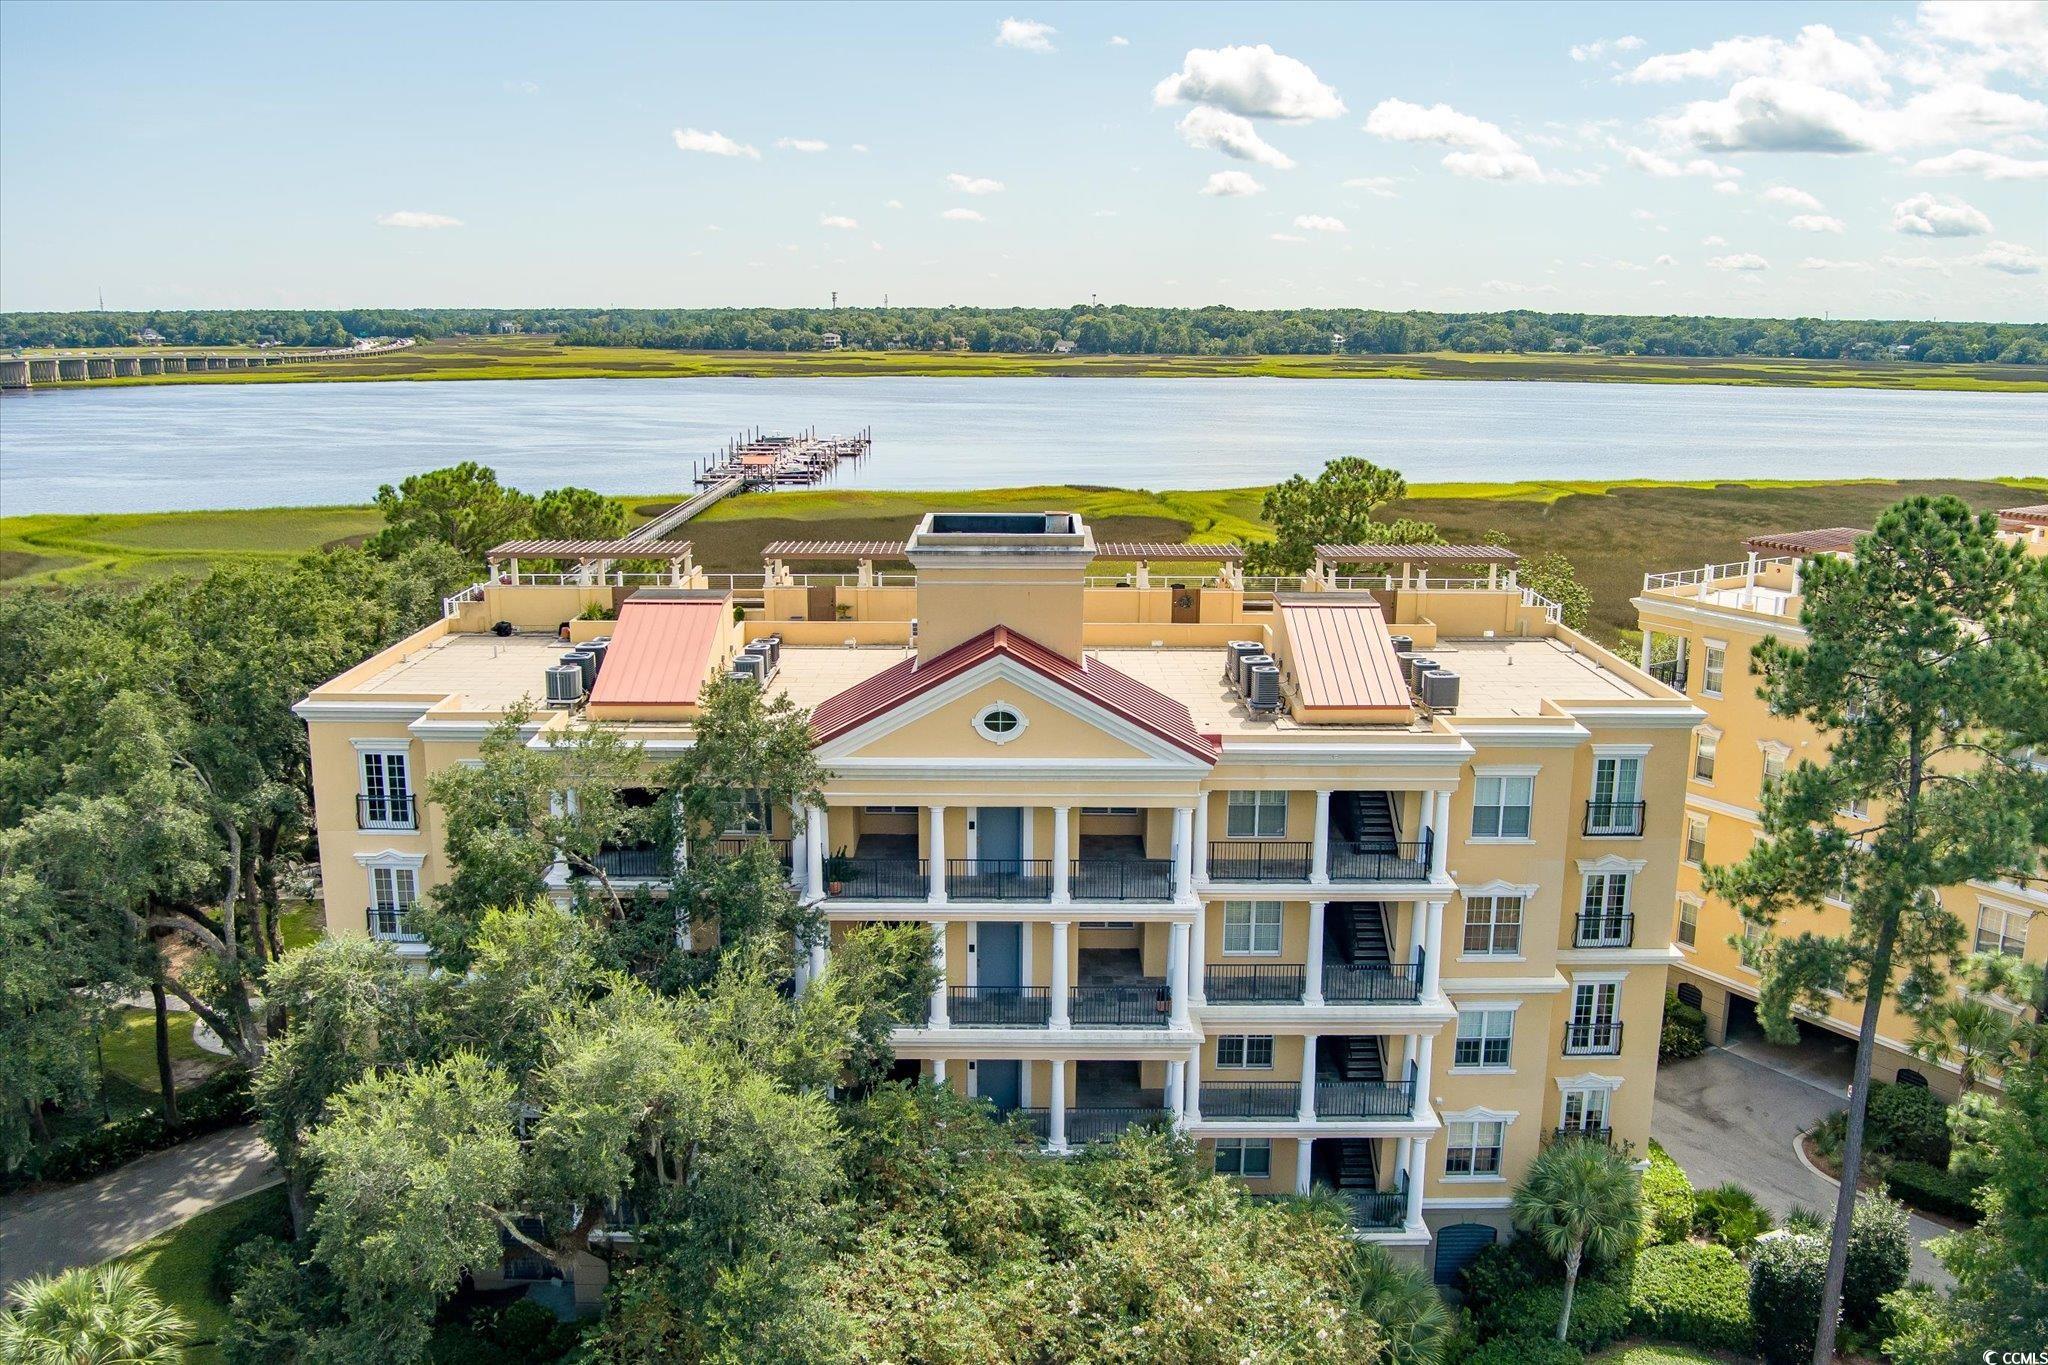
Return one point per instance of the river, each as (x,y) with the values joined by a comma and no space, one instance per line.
(262,445)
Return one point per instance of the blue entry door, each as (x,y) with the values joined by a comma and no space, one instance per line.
(1001,1083)
(999,953)
(999,835)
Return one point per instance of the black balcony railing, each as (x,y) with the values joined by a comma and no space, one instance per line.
(732,845)
(1121,879)
(387,812)
(1605,931)
(1371,983)
(1670,672)
(1095,1123)
(1377,1209)
(1365,1099)
(390,922)
(878,879)
(1402,862)
(1255,983)
(1253,1100)
(999,879)
(1259,860)
(635,864)
(998,1006)
(1614,819)
(1147,1004)
(1592,1040)
(1600,1134)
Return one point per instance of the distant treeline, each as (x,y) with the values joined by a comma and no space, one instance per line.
(1118,330)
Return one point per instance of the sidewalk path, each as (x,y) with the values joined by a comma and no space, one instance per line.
(87,1223)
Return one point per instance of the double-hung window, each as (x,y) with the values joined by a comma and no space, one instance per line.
(385,801)
(1486,1040)
(1246,1158)
(2001,931)
(1493,926)
(1595,1026)
(1775,757)
(1585,1110)
(1695,839)
(1244,1052)
(1604,919)
(1713,668)
(393,893)
(1616,807)
(1474,1147)
(1688,931)
(1251,928)
(1706,748)
(1256,815)
(1500,805)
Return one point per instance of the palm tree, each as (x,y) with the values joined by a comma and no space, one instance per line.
(1972,1031)
(1411,1315)
(102,1315)
(1579,1196)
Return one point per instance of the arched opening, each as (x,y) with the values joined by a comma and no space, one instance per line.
(1689,994)
(1456,1246)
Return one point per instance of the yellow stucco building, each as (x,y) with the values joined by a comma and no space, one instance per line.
(1361,882)
(1700,627)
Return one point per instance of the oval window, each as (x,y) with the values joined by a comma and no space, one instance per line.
(1000,723)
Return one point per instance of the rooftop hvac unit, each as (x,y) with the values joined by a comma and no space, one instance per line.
(774,643)
(1239,650)
(1417,666)
(586,661)
(1245,667)
(765,652)
(1403,644)
(1264,692)
(565,684)
(750,666)
(1440,690)
(596,650)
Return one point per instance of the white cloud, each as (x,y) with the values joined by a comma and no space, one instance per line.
(1118,40)
(1208,129)
(1643,216)
(1823,263)
(1381,186)
(836,220)
(1232,185)
(1773,114)
(963,216)
(1317,222)
(2005,34)
(1667,260)
(1939,267)
(1990,165)
(876,245)
(1714,241)
(1664,168)
(893,204)
(1285,237)
(974,184)
(1816,57)
(800,144)
(1727,187)
(1484,150)
(1510,287)
(1256,82)
(1816,222)
(1924,215)
(1747,260)
(411,218)
(1027,34)
(712,144)
(1792,198)
(1594,51)
(2010,258)
(858,147)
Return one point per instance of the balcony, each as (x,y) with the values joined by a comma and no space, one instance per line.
(1402,861)
(1670,672)
(1604,931)
(635,864)
(1146,1003)
(1593,1040)
(1614,819)
(1260,983)
(1378,1210)
(1260,860)
(999,879)
(878,879)
(1097,1123)
(1591,1133)
(1365,1099)
(998,1006)
(732,845)
(1372,983)
(1251,1100)
(387,812)
(1121,879)
(390,923)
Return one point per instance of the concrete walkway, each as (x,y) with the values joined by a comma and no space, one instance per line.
(87,1223)
(1735,1113)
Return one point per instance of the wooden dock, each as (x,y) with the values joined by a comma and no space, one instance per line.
(757,460)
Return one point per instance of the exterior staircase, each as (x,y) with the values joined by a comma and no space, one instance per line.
(1358,1058)
(1373,826)
(1367,940)
(1357,1165)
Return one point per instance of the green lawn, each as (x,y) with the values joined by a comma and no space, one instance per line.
(1645,1353)
(181,1265)
(137,546)
(129,1042)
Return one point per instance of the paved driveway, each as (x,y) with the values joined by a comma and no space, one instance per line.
(1734,1113)
(87,1223)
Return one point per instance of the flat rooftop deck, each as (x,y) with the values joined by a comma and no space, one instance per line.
(812,673)
(489,672)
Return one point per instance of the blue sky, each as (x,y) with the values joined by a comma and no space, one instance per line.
(1886,160)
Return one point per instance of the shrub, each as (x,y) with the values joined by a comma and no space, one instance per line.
(1691,1293)
(1506,1269)
(1730,1215)
(1909,1122)
(1880,1256)
(220,1103)
(1806,1220)
(1923,1330)
(1786,1272)
(1668,1203)
(1526,1351)
(1933,1190)
(1599,1314)
(1685,1030)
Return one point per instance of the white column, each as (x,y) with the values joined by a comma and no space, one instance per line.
(1319,852)
(799,848)
(819,957)
(1423,1064)
(1183,852)
(939,1017)
(1062,890)
(1176,1090)
(1198,956)
(817,835)
(1060,1016)
(1191,1112)
(936,845)
(1418,1166)
(1302,1148)
(1440,842)
(1403,1147)
(1201,837)
(558,870)
(1057,1138)
(1646,649)
(1177,972)
(1307,1113)
(1317,913)
(939,1070)
(1432,944)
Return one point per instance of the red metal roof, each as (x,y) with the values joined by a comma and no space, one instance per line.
(1341,653)
(1094,680)
(660,651)
(2025,516)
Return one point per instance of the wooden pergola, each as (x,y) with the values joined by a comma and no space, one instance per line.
(595,556)
(1410,557)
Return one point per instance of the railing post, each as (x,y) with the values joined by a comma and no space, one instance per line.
(1319,850)
(1061,1015)
(1056,1136)
(1313,987)
(939,1017)
(1307,1110)
(1062,890)
(1177,973)
(936,895)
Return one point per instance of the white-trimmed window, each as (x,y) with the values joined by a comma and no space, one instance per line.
(1857,808)
(1000,723)
(394,890)
(1705,750)
(385,798)
(1616,807)
(1493,926)
(1246,1158)
(1688,930)
(1244,1052)
(1251,928)
(1775,758)
(1603,909)
(1595,1019)
(1474,1147)
(1256,815)
(750,815)
(1584,1109)
(1713,667)
(1486,1040)
(1500,805)
(1695,839)
(2001,931)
